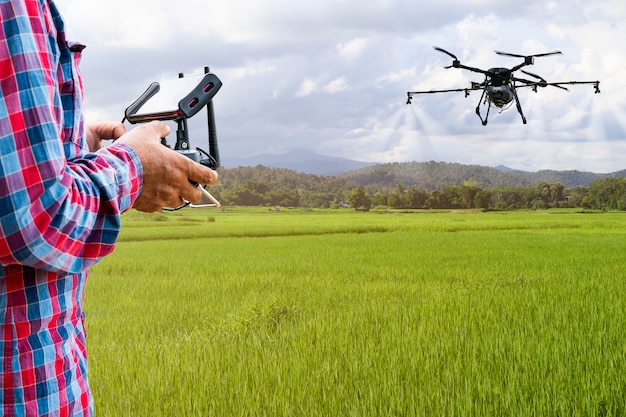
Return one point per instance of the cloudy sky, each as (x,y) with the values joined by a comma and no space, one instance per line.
(331,76)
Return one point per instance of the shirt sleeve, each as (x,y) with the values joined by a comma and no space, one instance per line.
(60,205)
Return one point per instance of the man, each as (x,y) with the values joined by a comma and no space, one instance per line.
(61,196)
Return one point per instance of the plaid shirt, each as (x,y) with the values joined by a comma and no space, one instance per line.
(59,213)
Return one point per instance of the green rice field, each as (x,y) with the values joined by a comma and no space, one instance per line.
(258,312)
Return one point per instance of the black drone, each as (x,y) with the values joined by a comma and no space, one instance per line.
(500,85)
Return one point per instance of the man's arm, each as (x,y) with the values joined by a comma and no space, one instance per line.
(59,208)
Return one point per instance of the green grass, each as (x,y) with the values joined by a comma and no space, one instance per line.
(336,313)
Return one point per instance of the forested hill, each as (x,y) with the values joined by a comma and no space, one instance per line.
(432,175)
(421,185)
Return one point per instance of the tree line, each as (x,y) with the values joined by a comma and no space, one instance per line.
(263,186)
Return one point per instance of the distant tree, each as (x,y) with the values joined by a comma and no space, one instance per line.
(452,197)
(398,199)
(393,201)
(511,198)
(606,194)
(416,198)
(467,193)
(482,199)
(575,195)
(538,204)
(437,200)
(543,197)
(379,199)
(359,200)
(245,197)
(557,193)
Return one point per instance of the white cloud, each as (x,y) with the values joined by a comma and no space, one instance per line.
(307,87)
(352,48)
(249,70)
(336,85)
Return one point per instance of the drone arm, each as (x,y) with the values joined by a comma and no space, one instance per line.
(439,91)
(528,83)
(472,69)
(522,65)
(596,84)
(543,83)
(410,94)
(533,84)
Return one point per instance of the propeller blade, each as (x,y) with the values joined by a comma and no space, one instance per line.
(544,83)
(446,52)
(549,53)
(559,86)
(534,75)
(509,54)
(526,56)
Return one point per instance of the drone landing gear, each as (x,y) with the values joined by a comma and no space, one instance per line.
(519,106)
(484,121)
(488,103)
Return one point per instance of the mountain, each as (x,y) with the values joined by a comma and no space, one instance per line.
(504,168)
(307,162)
(432,175)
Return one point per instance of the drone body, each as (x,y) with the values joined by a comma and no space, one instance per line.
(499,87)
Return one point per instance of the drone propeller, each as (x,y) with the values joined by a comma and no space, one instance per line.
(543,81)
(534,75)
(446,52)
(527,56)
(455,63)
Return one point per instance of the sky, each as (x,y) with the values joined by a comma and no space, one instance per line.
(331,76)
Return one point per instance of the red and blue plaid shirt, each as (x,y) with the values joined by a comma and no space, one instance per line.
(59,213)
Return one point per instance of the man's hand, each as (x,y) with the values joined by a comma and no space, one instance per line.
(97,132)
(166,173)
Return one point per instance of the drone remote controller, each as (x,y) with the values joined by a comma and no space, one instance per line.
(161,102)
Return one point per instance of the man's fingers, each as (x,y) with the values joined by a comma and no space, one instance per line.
(191,193)
(162,129)
(202,175)
(110,130)
(118,130)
